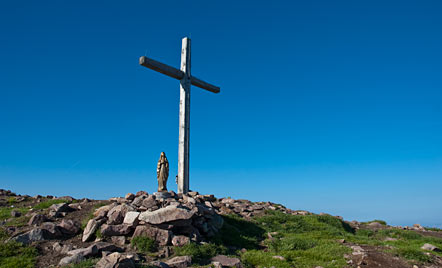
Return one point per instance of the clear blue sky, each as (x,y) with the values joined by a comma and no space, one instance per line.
(328,106)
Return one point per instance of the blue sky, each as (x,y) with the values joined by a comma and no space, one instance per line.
(328,106)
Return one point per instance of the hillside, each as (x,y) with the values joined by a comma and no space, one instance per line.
(193,230)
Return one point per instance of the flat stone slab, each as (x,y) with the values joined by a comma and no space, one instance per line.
(167,214)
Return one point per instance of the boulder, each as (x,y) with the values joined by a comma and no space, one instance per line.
(36,234)
(130,196)
(116,260)
(62,207)
(179,262)
(149,202)
(89,231)
(141,193)
(71,260)
(167,214)
(102,211)
(112,230)
(138,201)
(430,247)
(77,255)
(37,219)
(106,247)
(131,218)
(52,230)
(226,261)
(162,237)
(116,214)
(60,248)
(180,240)
(15,213)
(119,240)
(69,227)
(158,264)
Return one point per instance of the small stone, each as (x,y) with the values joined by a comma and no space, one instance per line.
(430,247)
(179,262)
(180,240)
(15,213)
(227,261)
(279,257)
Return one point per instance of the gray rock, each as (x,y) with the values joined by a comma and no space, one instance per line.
(119,240)
(62,207)
(227,261)
(130,196)
(37,219)
(36,234)
(150,201)
(15,213)
(102,211)
(166,214)
(180,240)
(131,218)
(162,237)
(107,247)
(69,227)
(158,264)
(71,260)
(115,230)
(116,260)
(179,262)
(89,231)
(116,214)
(85,252)
(138,201)
(52,230)
(430,247)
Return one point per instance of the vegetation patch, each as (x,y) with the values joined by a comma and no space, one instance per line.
(200,253)
(13,254)
(89,263)
(47,203)
(5,212)
(143,244)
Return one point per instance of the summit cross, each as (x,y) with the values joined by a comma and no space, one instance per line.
(186,80)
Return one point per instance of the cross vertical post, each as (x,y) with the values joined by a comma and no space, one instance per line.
(184,123)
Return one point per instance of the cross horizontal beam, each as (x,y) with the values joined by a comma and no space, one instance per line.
(175,73)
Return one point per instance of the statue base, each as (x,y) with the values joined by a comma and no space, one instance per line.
(162,195)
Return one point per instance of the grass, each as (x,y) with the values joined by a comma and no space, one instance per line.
(13,254)
(5,212)
(378,221)
(89,263)
(47,203)
(144,244)
(200,253)
(434,229)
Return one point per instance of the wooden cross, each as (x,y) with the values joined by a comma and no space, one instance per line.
(186,79)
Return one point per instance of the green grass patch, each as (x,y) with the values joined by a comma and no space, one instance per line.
(47,203)
(5,212)
(18,222)
(13,254)
(200,253)
(378,221)
(143,244)
(89,263)
(434,229)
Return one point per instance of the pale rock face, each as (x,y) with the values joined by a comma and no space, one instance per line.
(116,260)
(116,214)
(430,247)
(164,215)
(89,231)
(102,211)
(180,240)
(179,262)
(159,235)
(131,218)
(227,261)
(115,230)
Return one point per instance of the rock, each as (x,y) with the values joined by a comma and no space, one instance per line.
(139,193)
(227,261)
(131,218)
(89,231)
(71,260)
(62,207)
(180,240)
(52,229)
(116,260)
(150,201)
(15,213)
(162,237)
(166,214)
(138,201)
(75,206)
(36,234)
(116,214)
(130,196)
(107,247)
(430,247)
(112,230)
(279,257)
(418,227)
(62,249)
(179,262)
(227,201)
(102,211)
(375,225)
(69,227)
(158,264)
(37,219)
(118,240)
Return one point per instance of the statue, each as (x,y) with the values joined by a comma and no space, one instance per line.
(162,173)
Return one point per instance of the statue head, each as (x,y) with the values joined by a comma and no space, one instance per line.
(163,155)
